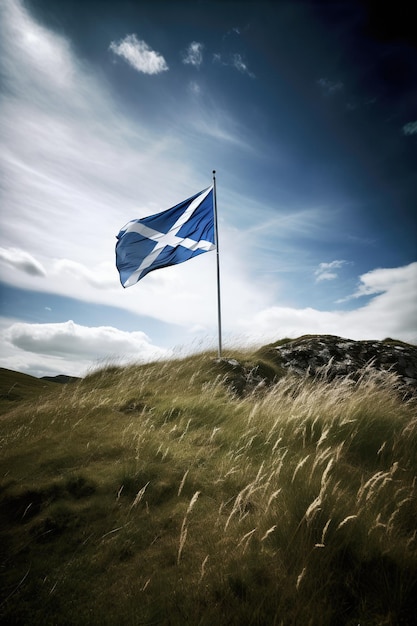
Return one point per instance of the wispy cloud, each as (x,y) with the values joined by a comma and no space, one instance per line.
(311,222)
(236,31)
(194,87)
(212,126)
(410,128)
(21,260)
(139,55)
(64,140)
(98,275)
(326,271)
(212,121)
(194,54)
(234,60)
(75,169)
(240,65)
(330,87)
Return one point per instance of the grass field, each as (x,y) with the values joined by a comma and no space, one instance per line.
(153,495)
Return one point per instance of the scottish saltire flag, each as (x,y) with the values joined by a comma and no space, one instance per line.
(167,238)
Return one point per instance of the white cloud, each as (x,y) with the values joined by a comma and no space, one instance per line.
(139,55)
(21,260)
(392,312)
(326,271)
(382,280)
(194,54)
(410,128)
(70,348)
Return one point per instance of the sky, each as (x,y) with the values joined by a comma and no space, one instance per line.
(114,110)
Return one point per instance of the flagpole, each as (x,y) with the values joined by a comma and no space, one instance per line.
(216,235)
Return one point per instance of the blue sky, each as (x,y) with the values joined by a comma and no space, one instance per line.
(112,111)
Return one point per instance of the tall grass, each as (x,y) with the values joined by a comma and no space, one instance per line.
(152,495)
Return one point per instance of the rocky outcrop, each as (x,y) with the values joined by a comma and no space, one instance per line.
(344,356)
(323,355)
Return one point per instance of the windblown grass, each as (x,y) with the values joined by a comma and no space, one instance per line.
(152,495)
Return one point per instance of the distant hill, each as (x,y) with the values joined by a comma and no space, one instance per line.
(15,387)
(61,379)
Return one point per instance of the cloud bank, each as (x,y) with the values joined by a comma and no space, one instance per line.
(391,312)
(69,348)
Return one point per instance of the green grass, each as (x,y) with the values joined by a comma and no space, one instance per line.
(16,387)
(153,495)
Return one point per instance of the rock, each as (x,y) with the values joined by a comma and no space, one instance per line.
(322,356)
(245,378)
(235,375)
(340,357)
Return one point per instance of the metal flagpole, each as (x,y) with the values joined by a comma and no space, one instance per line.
(216,235)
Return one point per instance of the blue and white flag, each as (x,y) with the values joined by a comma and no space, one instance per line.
(167,238)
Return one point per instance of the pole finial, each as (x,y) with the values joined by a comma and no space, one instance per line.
(214,171)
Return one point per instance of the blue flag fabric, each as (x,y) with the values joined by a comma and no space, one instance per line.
(167,238)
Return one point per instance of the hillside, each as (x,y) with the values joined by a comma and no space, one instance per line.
(205,491)
(15,387)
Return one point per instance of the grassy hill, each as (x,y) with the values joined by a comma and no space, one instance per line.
(15,387)
(154,495)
